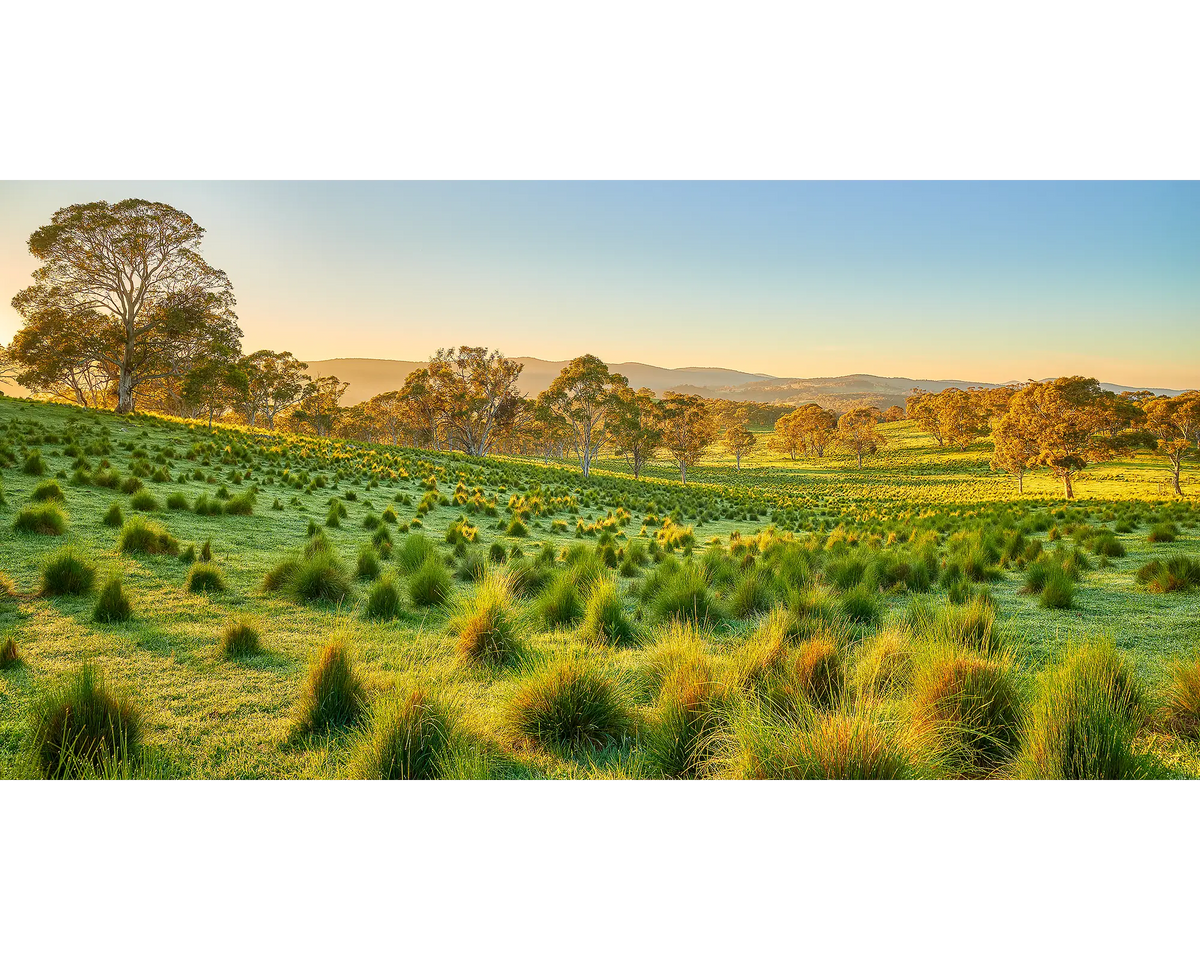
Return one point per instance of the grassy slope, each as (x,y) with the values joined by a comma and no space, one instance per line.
(211,718)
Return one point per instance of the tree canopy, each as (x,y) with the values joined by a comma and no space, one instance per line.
(123,295)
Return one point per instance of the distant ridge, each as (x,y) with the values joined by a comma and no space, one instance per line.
(368,378)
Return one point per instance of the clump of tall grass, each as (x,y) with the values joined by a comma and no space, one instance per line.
(884,663)
(1165,532)
(114,517)
(368,563)
(67,572)
(568,704)
(407,739)
(333,694)
(1175,573)
(46,519)
(141,535)
(560,603)
(971,625)
(486,622)
(81,725)
(10,655)
(205,578)
(680,739)
(1083,721)
(849,744)
(47,491)
(1182,706)
(414,550)
(144,502)
(974,704)
(240,638)
(429,585)
(685,595)
(383,599)
(604,619)
(318,576)
(113,604)
(1058,592)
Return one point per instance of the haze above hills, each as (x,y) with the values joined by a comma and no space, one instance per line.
(367,378)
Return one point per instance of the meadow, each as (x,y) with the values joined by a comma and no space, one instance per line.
(190,602)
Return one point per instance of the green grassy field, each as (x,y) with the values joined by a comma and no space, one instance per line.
(727,604)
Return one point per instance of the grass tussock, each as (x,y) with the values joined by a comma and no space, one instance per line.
(407,739)
(333,694)
(205,578)
(605,622)
(240,638)
(486,622)
(67,572)
(569,704)
(142,535)
(1082,723)
(81,725)
(113,605)
(44,519)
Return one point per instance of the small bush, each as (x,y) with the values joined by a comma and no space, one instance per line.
(67,572)
(205,578)
(83,726)
(333,693)
(45,519)
(568,704)
(407,739)
(113,605)
(240,638)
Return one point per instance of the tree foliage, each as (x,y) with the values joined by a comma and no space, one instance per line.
(122,293)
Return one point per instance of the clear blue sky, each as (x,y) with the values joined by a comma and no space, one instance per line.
(948,280)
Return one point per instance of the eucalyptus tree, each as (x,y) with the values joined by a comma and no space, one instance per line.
(582,398)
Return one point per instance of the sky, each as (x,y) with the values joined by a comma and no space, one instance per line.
(938,280)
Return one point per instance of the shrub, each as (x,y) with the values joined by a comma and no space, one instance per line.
(486,622)
(67,572)
(113,605)
(240,639)
(407,739)
(82,726)
(569,704)
(141,535)
(205,578)
(46,491)
(333,693)
(44,518)
(114,517)
(383,599)
(1082,723)
(604,619)
(429,586)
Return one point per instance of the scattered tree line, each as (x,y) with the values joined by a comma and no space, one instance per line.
(125,313)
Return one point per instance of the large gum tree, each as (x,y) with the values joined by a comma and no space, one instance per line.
(128,277)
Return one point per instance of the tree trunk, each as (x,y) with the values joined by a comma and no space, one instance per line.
(683,473)
(1175,478)
(859,459)
(1067,486)
(125,390)
(1021,483)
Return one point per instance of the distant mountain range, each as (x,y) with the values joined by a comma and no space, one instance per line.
(370,377)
